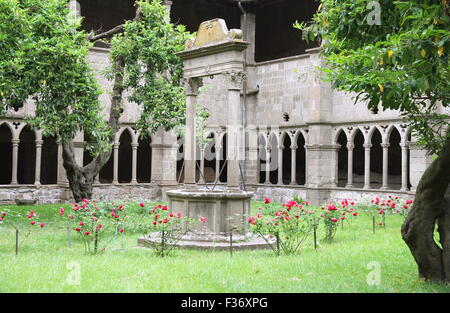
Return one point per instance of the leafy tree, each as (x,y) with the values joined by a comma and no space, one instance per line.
(395,54)
(43,56)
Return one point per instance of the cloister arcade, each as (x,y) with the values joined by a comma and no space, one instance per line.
(368,157)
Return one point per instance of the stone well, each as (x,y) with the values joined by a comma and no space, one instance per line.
(215,51)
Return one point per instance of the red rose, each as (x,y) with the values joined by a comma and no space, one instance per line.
(78,229)
(42,225)
(33,222)
(203,219)
(121,230)
(61,211)
(266,200)
(334,219)
(87,233)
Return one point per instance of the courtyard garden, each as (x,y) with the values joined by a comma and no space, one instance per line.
(342,247)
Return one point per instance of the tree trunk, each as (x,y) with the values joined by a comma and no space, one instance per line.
(81,179)
(430,208)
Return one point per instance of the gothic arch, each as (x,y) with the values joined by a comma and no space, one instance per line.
(144,160)
(49,161)
(300,161)
(358,140)
(286,170)
(262,155)
(376,158)
(394,160)
(6,136)
(342,172)
(274,146)
(26,168)
(125,164)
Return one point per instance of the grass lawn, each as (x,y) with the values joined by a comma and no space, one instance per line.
(46,264)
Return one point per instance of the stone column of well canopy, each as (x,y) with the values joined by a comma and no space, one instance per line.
(192,85)
(234,129)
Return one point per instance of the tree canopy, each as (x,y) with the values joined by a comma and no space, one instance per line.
(43,58)
(390,52)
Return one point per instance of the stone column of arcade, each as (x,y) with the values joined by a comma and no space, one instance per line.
(215,51)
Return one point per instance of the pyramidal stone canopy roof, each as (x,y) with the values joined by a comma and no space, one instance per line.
(213,37)
(213,32)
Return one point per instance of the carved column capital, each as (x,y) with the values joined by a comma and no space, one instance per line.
(367,146)
(385,145)
(191,85)
(234,79)
(350,146)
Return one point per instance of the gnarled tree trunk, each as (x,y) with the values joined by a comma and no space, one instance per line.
(81,179)
(431,208)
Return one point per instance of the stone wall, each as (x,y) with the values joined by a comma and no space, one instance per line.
(287,193)
(279,193)
(62,194)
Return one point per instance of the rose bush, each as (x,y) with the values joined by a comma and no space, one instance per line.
(333,213)
(169,228)
(290,224)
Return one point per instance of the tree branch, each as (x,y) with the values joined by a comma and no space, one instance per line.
(115,30)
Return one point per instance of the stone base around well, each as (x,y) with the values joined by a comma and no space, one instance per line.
(203,241)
